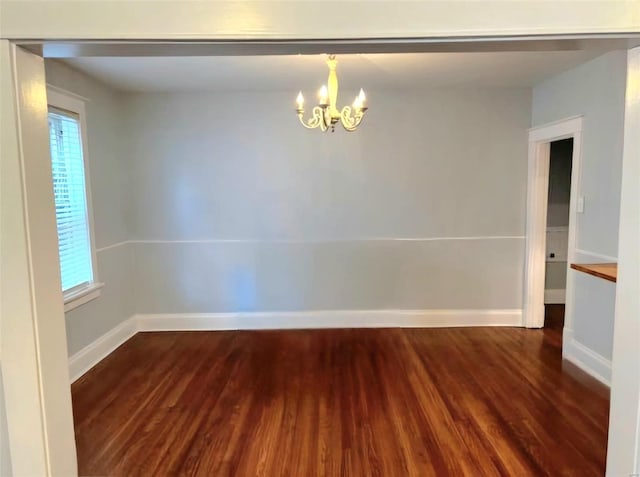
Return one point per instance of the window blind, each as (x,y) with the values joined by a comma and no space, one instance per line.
(74,242)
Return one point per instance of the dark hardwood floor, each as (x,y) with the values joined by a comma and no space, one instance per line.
(368,402)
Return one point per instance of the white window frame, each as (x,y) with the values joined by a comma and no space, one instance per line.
(66,101)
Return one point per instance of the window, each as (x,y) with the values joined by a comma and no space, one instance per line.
(75,242)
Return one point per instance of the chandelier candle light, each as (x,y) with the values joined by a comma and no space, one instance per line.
(325,115)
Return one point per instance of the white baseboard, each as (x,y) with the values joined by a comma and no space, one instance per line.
(329,319)
(92,354)
(585,358)
(555,296)
(88,357)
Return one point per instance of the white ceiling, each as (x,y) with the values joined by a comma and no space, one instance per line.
(308,72)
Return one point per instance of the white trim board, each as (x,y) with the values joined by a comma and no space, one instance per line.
(582,255)
(623,450)
(329,319)
(59,90)
(555,130)
(308,241)
(585,358)
(92,354)
(112,246)
(540,139)
(553,296)
(332,240)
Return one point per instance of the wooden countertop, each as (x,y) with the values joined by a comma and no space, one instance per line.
(608,271)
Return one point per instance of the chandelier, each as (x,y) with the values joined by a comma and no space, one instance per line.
(326,114)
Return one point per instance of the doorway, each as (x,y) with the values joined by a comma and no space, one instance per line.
(553,203)
(558,197)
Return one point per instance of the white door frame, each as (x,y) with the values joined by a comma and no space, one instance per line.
(540,138)
(623,453)
(35,372)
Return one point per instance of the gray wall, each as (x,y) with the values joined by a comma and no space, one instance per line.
(559,183)
(555,277)
(237,207)
(227,204)
(595,90)
(110,188)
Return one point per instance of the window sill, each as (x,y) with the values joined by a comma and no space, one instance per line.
(80,297)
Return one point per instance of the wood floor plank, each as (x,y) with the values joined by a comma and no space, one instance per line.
(362,402)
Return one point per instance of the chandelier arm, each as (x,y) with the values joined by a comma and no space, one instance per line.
(302,121)
(322,112)
(350,121)
(316,120)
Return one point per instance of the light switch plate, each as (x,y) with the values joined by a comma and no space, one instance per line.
(581,204)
